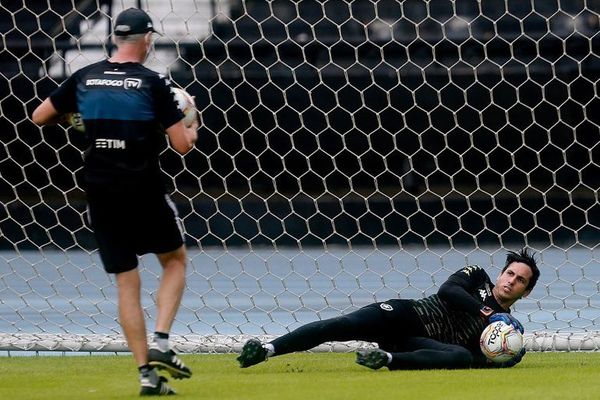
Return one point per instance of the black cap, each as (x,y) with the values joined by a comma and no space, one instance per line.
(133,21)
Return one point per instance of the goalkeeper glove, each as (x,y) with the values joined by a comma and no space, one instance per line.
(507,319)
(515,360)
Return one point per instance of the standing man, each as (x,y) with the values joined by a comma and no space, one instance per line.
(126,108)
(439,331)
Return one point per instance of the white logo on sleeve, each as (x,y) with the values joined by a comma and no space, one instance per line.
(386,307)
(482,294)
(467,270)
(485,293)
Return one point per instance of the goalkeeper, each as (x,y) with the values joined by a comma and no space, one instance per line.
(440,331)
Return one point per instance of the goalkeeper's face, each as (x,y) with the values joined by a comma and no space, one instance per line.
(512,283)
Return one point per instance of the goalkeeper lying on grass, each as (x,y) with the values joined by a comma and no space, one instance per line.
(440,331)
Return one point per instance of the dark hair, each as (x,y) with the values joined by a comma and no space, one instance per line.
(524,257)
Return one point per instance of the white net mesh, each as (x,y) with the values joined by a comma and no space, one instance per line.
(349,152)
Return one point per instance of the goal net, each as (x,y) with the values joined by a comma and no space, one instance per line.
(349,152)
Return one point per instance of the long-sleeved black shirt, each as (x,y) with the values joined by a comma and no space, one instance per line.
(453,314)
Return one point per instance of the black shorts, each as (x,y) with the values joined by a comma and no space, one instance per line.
(130,224)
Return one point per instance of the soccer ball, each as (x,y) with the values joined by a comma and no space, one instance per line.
(74,119)
(186,104)
(500,342)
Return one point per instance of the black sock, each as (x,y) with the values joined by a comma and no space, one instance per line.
(161,335)
(145,369)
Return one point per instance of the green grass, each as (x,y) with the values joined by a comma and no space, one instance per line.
(302,376)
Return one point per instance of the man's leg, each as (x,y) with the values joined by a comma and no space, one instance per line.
(377,322)
(131,315)
(418,353)
(170,292)
(367,323)
(354,326)
(110,217)
(171,288)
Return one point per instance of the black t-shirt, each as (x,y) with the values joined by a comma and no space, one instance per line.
(125,108)
(452,315)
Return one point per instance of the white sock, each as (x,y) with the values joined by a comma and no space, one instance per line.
(389,356)
(162,343)
(270,349)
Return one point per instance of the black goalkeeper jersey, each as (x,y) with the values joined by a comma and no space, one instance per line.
(453,314)
(125,108)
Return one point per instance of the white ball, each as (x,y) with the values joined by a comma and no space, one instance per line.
(500,342)
(186,104)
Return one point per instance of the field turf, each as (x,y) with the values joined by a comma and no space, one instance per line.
(302,376)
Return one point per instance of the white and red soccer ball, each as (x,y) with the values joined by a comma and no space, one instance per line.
(500,342)
(187,105)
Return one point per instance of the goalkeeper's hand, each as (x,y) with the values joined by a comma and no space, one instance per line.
(515,360)
(507,319)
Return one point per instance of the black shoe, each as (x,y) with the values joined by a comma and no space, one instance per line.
(372,358)
(169,361)
(253,353)
(160,389)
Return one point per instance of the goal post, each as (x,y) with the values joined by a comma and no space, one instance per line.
(349,152)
